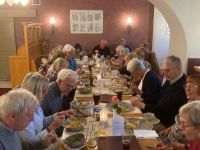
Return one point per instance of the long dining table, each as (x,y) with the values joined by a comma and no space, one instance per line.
(143,144)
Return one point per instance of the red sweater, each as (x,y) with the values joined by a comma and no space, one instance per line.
(194,145)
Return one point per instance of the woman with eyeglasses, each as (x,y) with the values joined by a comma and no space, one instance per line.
(189,115)
(41,126)
(174,135)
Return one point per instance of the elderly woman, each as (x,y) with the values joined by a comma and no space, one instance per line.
(174,133)
(40,126)
(58,64)
(190,125)
(120,52)
(69,51)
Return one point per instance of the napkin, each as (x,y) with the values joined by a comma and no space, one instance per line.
(146,134)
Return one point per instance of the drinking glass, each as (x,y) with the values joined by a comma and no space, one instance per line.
(96,95)
(126,139)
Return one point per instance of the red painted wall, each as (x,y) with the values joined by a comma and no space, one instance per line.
(115,13)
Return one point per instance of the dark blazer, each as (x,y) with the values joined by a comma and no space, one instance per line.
(54,101)
(171,98)
(105,52)
(150,88)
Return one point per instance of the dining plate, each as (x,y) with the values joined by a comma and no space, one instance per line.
(73,125)
(151,118)
(126,107)
(74,141)
(144,125)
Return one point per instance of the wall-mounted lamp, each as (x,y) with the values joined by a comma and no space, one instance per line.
(52,23)
(129,22)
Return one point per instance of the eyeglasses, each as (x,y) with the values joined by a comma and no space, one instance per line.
(68,85)
(189,85)
(182,123)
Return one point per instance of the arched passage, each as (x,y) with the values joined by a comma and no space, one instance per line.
(178,42)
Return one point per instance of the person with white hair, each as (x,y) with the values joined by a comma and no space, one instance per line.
(171,96)
(123,43)
(40,126)
(119,54)
(149,85)
(102,49)
(69,51)
(58,64)
(16,111)
(189,116)
(57,98)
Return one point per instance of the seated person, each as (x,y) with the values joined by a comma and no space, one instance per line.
(120,52)
(101,49)
(146,51)
(174,135)
(39,127)
(69,51)
(171,96)
(190,125)
(57,98)
(123,43)
(59,64)
(149,86)
(123,70)
(17,109)
(79,53)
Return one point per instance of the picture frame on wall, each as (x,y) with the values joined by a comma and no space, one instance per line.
(86,21)
(36,2)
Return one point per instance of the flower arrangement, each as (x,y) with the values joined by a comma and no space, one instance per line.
(115,104)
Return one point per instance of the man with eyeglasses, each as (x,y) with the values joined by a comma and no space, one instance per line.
(54,101)
(172,95)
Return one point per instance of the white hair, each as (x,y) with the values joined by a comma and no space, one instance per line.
(134,64)
(192,109)
(68,48)
(67,73)
(16,101)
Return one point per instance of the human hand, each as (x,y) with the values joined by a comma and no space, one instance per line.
(136,101)
(66,113)
(177,145)
(161,146)
(135,89)
(165,132)
(50,138)
(58,120)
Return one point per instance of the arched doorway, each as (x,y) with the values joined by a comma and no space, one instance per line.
(178,43)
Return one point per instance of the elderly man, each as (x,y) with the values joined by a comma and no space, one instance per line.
(101,49)
(16,111)
(149,86)
(172,95)
(58,90)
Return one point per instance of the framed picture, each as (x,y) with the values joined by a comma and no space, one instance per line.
(86,21)
(36,2)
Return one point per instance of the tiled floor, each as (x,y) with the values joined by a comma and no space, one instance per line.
(5,84)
